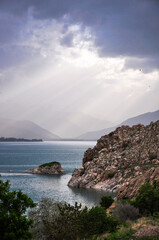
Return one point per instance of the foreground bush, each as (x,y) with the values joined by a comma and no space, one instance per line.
(95,222)
(125,211)
(56,220)
(59,220)
(14,224)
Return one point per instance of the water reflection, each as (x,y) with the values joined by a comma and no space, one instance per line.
(91,196)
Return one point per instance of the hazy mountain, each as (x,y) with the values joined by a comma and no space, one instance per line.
(24,129)
(67,124)
(94,135)
(145,119)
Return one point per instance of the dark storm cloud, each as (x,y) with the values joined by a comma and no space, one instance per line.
(135,32)
(120,27)
(43,9)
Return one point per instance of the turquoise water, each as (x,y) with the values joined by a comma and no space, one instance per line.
(20,156)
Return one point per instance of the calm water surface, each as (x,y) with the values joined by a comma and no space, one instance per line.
(22,156)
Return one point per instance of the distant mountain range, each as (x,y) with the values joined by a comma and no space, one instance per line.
(29,130)
(68,124)
(144,119)
(24,129)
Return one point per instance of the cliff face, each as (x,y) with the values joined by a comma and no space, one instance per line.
(123,159)
(48,168)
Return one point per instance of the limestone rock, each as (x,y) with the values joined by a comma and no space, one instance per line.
(123,159)
(130,189)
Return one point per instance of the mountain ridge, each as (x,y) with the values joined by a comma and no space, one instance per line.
(70,124)
(144,118)
(24,129)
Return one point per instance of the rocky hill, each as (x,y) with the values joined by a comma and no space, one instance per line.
(122,160)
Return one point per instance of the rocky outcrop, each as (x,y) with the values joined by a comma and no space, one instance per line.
(147,231)
(51,168)
(131,188)
(123,159)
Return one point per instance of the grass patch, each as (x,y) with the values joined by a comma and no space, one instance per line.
(50,164)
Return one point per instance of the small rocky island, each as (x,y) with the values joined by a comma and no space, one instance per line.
(51,168)
(121,161)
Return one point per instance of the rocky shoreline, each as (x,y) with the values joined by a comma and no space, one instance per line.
(52,168)
(123,160)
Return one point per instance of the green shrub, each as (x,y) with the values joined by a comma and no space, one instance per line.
(96,222)
(14,224)
(106,201)
(50,164)
(148,200)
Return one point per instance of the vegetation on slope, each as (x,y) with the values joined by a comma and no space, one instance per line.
(50,164)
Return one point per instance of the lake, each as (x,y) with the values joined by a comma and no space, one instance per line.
(20,156)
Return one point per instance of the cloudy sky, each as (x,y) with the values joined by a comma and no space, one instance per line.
(96,57)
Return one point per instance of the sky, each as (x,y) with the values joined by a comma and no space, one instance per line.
(95,57)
